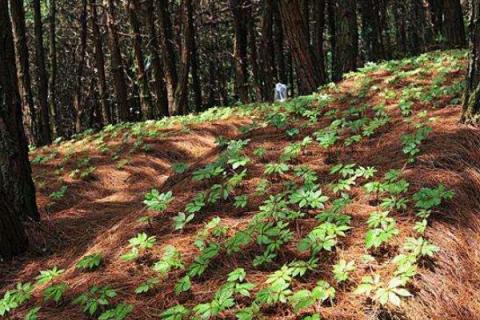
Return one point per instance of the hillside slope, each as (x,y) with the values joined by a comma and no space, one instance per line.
(359,202)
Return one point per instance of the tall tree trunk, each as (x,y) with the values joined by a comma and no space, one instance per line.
(17,192)
(168,54)
(267,54)
(453,24)
(29,113)
(304,59)
(385,27)
(241,10)
(106,117)
(318,30)
(346,38)
(436,13)
(119,85)
(146,104)
(181,91)
(55,122)
(192,44)
(78,102)
(42,77)
(372,29)
(211,46)
(471,103)
(399,12)
(158,73)
(416,27)
(279,40)
(305,7)
(252,40)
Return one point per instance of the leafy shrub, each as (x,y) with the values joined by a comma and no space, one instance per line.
(342,270)
(171,260)
(14,298)
(46,276)
(55,292)
(90,262)
(158,201)
(58,195)
(120,312)
(95,299)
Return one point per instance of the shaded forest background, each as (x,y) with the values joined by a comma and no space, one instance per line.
(89,63)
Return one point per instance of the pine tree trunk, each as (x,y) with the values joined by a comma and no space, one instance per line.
(78,102)
(13,240)
(279,40)
(106,117)
(415,27)
(194,67)
(160,90)
(42,77)
(436,13)
(372,29)
(252,41)
(385,28)
(146,105)
(454,28)
(54,114)
(168,54)
(23,63)
(118,72)
(181,92)
(399,11)
(212,88)
(318,30)
(304,59)
(241,10)
(471,103)
(346,38)
(17,192)
(267,53)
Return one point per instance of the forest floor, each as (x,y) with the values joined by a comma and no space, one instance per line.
(91,193)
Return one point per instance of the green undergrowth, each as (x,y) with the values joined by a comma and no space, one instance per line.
(290,192)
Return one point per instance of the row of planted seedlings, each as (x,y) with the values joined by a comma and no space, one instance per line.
(270,228)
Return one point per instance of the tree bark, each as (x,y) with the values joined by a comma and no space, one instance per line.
(279,40)
(241,10)
(146,104)
(303,56)
(106,117)
(318,30)
(42,77)
(372,29)
(78,102)
(160,90)
(453,25)
(168,54)
(54,114)
(436,13)
(399,12)
(346,38)
(181,91)
(17,192)
(23,70)
(194,67)
(252,41)
(267,54)
(415,27)
(119,85)
(471,103)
